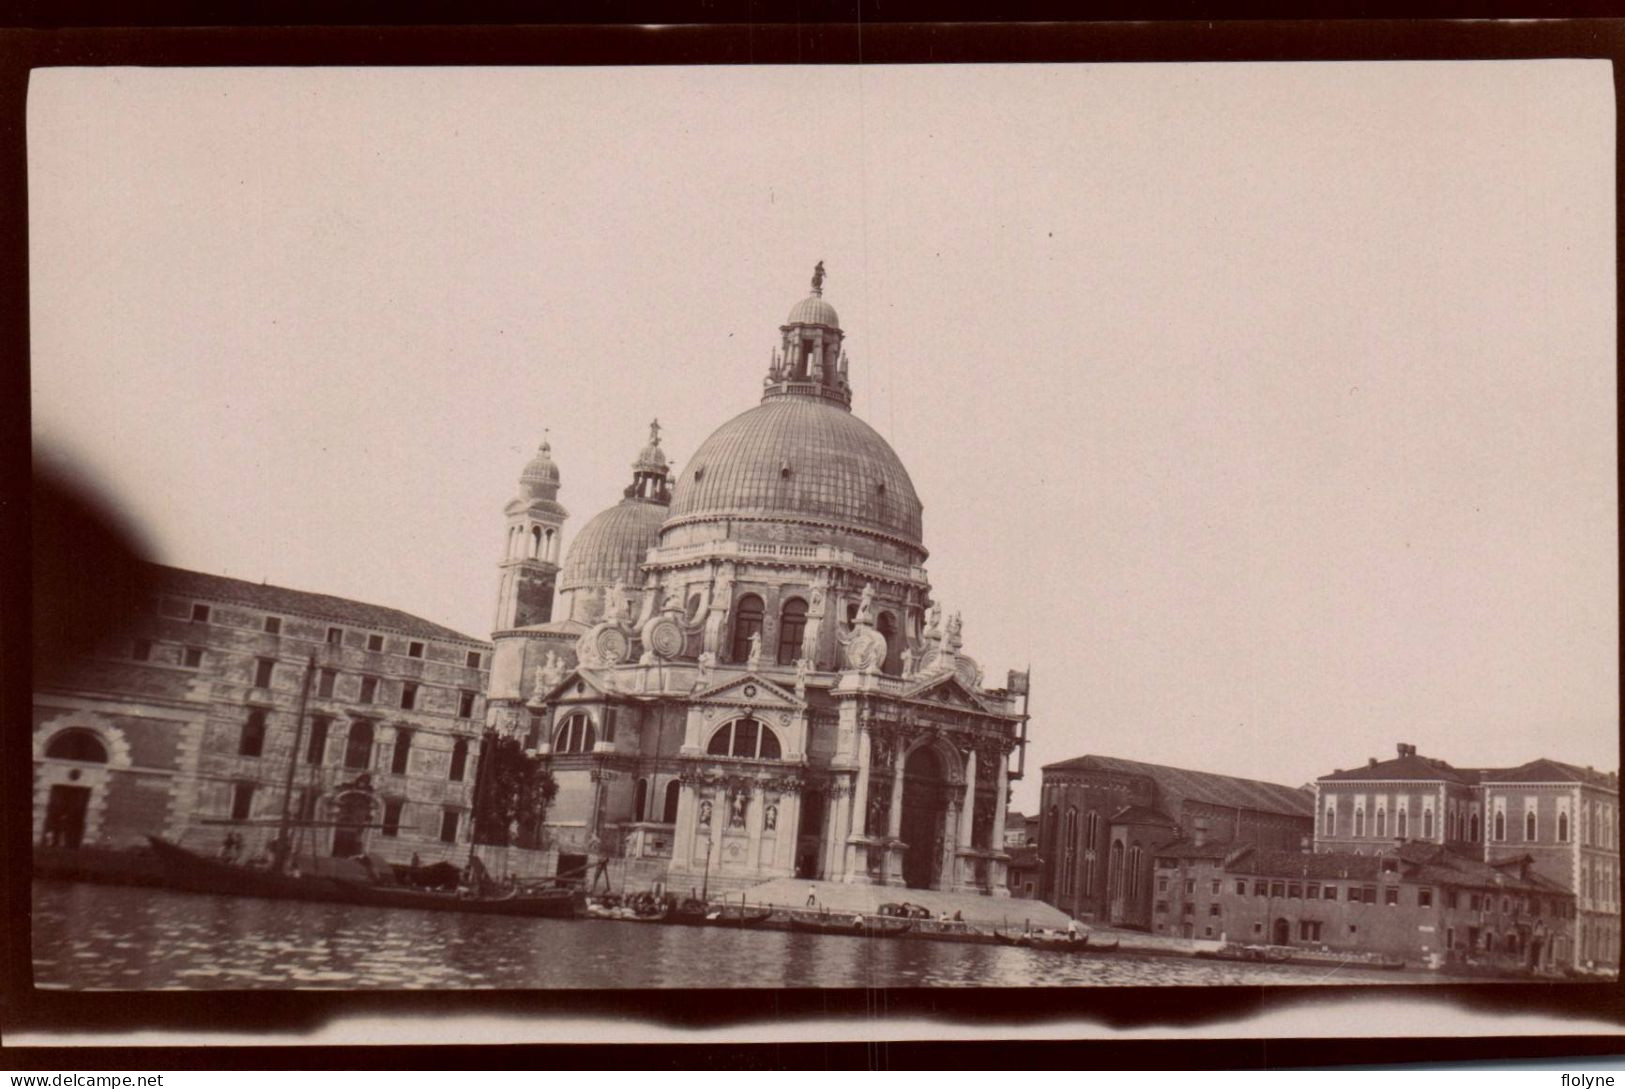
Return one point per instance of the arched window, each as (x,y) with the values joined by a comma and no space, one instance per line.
(1382,821)
(1134,875)
(887,626)
(1091,836)
(459,760)
(80,745)
(1330,828)
(1500,826)
(792,625)
(640,799)
(1472,825)
(745,738)
(575,734)
(673,792)
(1427,824)
(747,622)
(1529,826)
(1402,820)
(358,745)
(1562,828)
(1359,820)
(535,541)
(1114,875)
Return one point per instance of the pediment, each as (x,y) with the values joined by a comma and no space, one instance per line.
(592,683)
(750,690)
(947,691)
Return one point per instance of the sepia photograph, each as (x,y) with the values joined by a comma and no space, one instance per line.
(925,526)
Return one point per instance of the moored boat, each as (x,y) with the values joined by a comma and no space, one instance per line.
(738,917)
(1081,944)
(1280,954)
(192,872)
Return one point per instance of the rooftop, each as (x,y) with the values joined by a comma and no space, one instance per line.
(1202,786)
(1407,766)
(280,599)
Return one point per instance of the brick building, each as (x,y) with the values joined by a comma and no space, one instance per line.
(183,725)
(1563,818)
(1420,902)
(1103,818)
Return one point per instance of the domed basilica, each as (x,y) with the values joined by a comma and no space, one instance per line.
(747,677)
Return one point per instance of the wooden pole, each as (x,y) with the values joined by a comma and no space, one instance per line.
(286,850)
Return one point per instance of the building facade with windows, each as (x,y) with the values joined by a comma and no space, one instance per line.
(1103,818)
(1566,819)
(1563,818)
(1421,902)
(747,677)
(187,724)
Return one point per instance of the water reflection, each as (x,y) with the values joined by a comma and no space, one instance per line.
(102,937)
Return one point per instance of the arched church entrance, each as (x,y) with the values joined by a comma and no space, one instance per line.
(925,809)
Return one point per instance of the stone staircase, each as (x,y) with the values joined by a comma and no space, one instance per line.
(985,912)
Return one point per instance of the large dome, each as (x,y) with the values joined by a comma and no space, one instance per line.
(613,545)
(800,459)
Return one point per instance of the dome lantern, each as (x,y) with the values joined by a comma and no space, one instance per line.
(650,471)
(810,361)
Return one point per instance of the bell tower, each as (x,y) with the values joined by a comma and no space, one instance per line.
(530,557)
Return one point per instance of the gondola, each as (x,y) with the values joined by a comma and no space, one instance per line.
(738,918)
(1081,944)
(192,872)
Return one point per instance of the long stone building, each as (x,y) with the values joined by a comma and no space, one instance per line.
(183,724)
(747,677)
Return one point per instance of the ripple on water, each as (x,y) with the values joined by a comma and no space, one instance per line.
(184,942)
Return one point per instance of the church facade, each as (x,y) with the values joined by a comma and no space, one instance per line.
(747,677)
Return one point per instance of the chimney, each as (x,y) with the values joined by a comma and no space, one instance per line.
(1371,762)
(1406,750)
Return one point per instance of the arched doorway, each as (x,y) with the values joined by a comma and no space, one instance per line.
(1283,932)
(925,809)
(352,814)
(68,803)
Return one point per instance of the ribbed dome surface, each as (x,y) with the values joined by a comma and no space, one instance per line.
(813,310)
(840,471)
(613,545)
(540,478)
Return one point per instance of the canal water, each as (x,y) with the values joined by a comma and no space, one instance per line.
(101,937)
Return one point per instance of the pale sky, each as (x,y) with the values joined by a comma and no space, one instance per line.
(1267,410)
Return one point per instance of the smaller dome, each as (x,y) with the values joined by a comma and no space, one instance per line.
(540,478)
(613,545)
(813,310)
